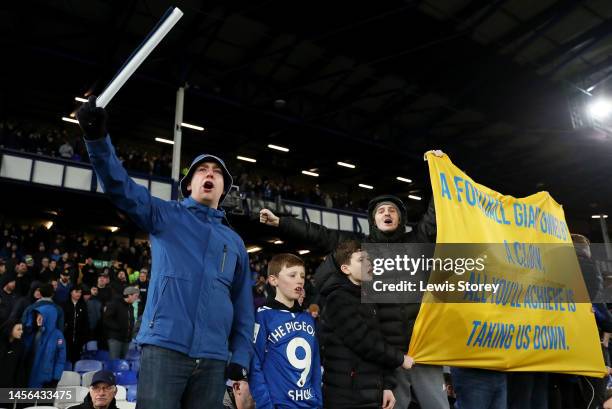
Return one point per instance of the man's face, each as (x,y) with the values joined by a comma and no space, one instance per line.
(132,298)
(206,184)
(142,277)
(387,218)
(21,268)
(76,295)
(102,394)
(44,262)
(37,294)
(10,286)
(94,291)
(52,264)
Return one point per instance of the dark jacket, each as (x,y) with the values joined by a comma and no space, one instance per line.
(77,322)
(24,302)
(88,404)
(7,303)
(396,320)
(12,357)
(358,363)
(119,320)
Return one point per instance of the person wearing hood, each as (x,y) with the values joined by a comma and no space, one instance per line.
(200,314)
(102,392)
(46,298)
(12,355)
(387,220)
(45,347)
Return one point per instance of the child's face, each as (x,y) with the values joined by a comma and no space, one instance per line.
(289,283)
(359,264)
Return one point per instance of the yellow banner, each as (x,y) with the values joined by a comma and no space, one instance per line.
(546,323)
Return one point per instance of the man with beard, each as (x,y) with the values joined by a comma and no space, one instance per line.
(387,220)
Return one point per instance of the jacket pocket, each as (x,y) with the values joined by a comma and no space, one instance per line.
(158,301)
(227,266)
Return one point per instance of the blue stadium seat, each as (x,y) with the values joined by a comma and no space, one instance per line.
(133,354)
(68,366)
(126,378)
(135,365)
(91,346)
(132,391)
(102,355)
(117,365)
(87,365)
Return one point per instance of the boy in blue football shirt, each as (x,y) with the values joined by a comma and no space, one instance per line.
(285,369)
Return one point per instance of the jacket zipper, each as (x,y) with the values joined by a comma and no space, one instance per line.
(224,256)
(152,322)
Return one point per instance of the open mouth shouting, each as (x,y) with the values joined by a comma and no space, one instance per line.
(298,290)
(208,186)
(388,221)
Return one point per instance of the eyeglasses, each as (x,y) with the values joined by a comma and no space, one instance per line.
(100,388)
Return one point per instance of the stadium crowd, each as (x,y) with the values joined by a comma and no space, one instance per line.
(60,143)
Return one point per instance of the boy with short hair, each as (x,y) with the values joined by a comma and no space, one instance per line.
(286,369)
(358,362)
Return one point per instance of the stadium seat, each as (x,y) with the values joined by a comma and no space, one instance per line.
(87,365)
(126,405)
(132,355)
(68,366)
(121,393)
(132,391)
(135,366)
(102,355)
(86,378)
(79,396)
(70,378)
(91,346)
(126,378)
(42,407)
(117,365)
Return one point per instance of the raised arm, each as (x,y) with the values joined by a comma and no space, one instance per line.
(309,233)
(146,210)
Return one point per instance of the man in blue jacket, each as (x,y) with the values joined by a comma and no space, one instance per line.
(199,312)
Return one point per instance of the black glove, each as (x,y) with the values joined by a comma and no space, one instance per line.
(92,119)
(235,372)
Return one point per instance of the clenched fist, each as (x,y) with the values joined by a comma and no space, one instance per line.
(408,362)
(269,218)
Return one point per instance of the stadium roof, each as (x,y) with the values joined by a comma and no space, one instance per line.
(370,83)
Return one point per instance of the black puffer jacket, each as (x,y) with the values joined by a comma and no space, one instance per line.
(358,362)
(12,357)
(397,320)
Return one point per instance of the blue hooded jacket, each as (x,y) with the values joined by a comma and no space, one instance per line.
(50,358)
(199,301)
